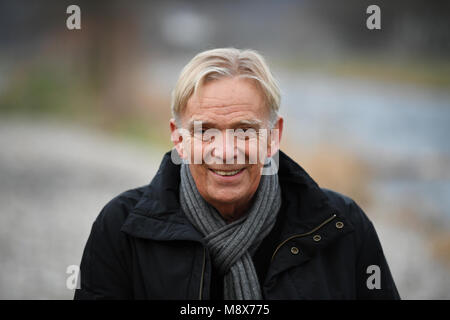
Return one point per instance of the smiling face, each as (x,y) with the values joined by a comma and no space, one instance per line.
(228,103)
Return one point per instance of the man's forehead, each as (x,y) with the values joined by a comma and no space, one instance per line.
(226,103)
(229,115)
(228,93)
(219,104)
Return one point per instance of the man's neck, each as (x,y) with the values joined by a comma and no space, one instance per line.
(233,211)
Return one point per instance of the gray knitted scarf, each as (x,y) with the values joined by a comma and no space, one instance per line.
(232,245)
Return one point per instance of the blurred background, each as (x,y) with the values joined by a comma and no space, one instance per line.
(84,116)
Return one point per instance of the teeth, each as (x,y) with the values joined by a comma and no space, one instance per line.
(227,173)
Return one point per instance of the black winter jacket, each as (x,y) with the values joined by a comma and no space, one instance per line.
(142,246)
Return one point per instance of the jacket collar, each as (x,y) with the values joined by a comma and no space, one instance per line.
(306,203)
(157,215)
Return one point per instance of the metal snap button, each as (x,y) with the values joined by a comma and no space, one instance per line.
(317,238)
(294,250)
(339,224)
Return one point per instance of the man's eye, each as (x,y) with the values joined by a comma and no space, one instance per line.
(203,135)
(246,134)
(200,132)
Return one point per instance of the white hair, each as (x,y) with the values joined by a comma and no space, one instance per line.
(225,62)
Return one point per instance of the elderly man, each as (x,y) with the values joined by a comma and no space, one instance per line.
(228,215)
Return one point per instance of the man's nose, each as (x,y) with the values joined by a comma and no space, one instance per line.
(227,149)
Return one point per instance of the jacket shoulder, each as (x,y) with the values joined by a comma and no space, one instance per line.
(106,261)
(115,212)
(369,252)
(349,208)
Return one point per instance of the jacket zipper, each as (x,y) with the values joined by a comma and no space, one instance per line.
(302,235)
(203,275)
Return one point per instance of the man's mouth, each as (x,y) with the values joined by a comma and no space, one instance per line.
(227,173)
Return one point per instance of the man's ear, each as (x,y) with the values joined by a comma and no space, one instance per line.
(275,137)
(176,137)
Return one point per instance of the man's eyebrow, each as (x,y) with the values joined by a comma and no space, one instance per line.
(252,122)
(192,122)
